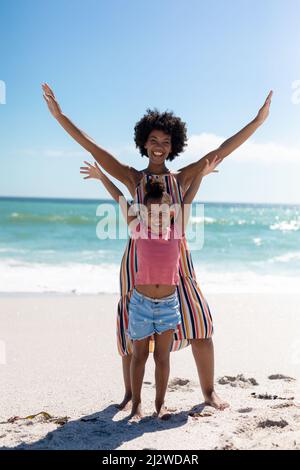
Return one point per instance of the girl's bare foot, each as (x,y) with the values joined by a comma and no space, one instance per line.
(214,400)
(124,405)
(136,413)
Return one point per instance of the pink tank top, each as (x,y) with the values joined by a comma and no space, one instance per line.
(157,257)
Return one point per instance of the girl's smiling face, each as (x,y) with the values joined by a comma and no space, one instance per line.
(158,146)
(157,215)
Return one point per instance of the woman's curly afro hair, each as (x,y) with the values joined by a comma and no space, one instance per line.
(165,122)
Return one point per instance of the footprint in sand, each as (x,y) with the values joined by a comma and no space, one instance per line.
(286,378)
(200,414)
(177,383)
(269,423)
(201,411)
(245,410)
(267,396)
(237,381)
(282,405)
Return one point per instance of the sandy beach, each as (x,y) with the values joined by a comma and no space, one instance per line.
(59,356)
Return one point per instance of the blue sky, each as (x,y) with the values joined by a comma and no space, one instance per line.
(211,62)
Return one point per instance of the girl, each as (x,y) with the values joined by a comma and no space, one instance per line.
(161,137)
(158,249)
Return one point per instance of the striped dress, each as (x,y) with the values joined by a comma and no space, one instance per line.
(196,319)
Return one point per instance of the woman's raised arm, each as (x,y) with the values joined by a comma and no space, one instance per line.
(114,167)
(187,173)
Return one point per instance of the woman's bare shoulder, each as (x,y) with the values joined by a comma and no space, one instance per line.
(180,179)
(135,178)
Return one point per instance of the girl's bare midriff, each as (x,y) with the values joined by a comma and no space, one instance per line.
(156,291)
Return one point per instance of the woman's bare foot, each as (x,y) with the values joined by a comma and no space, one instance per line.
(162,412)
(214,400)
(136,413)
(124,405)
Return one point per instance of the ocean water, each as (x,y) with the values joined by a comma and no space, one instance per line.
(55,245)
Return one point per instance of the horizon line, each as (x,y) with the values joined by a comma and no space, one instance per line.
(111,199)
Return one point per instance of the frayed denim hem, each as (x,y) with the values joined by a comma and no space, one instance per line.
(173,327)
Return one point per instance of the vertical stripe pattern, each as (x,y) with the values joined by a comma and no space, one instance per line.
(195,313)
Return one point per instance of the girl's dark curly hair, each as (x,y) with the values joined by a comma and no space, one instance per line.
(165,122)
(154,190)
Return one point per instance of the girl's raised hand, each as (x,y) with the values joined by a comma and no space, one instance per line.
(210,165)
(263,113)
(51,101)
(93,171)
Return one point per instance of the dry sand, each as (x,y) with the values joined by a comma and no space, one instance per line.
(58,354)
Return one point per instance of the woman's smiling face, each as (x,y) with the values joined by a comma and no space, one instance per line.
(158,146)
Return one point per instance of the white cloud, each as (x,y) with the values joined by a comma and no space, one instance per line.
(268,152)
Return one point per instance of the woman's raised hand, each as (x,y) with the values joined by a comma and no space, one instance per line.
(210,165)
(263,113)
(93,171)
(51,101)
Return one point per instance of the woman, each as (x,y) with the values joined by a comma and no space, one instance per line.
(158,237)
(161,137)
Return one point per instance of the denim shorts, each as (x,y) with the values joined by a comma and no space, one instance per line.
(149,315)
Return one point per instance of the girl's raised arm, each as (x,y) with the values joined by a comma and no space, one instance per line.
(123,173)
(118,196)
